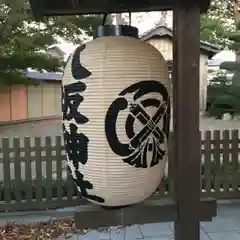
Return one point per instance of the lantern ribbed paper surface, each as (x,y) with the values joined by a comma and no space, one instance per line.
(116,119)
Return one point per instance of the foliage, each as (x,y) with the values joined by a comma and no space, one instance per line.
(222,9)
(220,78)
(217,21)
(24,42)
(212,30)
(223,104)
(222,96)
(218,86)
(234,8)
(61,228)
(230,66)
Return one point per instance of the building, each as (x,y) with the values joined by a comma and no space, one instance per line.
(43,100)
(21,102)
(161,38)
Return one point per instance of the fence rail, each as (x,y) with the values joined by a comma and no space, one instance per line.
(33,171)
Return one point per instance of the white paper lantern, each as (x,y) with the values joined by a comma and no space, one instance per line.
(116,119)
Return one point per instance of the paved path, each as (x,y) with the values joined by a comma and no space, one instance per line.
(226,226)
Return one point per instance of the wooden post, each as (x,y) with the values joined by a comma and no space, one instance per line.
(186,26)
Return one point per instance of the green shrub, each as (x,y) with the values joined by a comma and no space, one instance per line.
(222,95)
(224,104)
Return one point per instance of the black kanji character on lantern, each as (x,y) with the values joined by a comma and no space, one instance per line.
(71,102)
(84,185)
(71,98)
(77,150)
(78,70)
(76,143)
(63,128)
(148,143)
(76,146)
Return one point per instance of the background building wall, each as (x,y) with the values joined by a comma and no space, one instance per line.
(5,109)
(34,106)
(18,102)
(165,46)
(44,100)
(26,102)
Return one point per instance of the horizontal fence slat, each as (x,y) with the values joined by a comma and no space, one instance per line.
(44,204)
(33,149)
(35,158)
(53,148)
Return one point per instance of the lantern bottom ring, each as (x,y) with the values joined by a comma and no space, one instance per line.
(108,208)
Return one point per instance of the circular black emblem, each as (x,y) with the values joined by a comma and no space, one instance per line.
(145,147)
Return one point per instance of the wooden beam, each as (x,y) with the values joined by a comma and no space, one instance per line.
(151,211)
(68,7)
(186,52)
(37,8)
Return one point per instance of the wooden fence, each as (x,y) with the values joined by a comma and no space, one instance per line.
(33,172)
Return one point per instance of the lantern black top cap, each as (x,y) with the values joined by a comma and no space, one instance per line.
(75,7)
